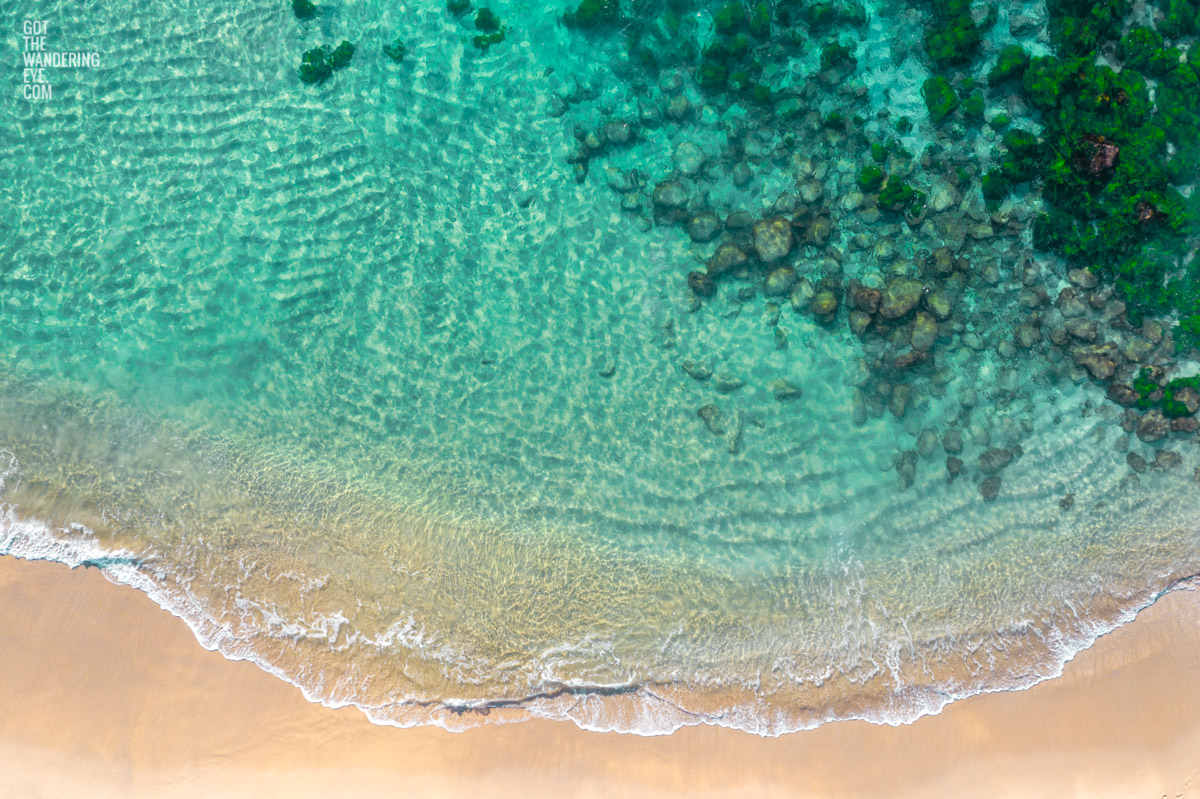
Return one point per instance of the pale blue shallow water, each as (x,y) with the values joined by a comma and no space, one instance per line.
(375,393)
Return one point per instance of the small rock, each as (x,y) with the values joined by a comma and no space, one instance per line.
(741,174)
(704,226)
(702,284)
(942,196)
(1136,462)
(696,370)
(859,322)
(679,108)
(952,441)
(926,443)
(670,194)
(938,303)
(1167,459)
(608,368)
(1069,305)
(824,305)
(1067,502)
(1185,424)
(898,402)
(906,469)
(773,238)
(924,332)
(727,383)
(1083,278)
(1082,329)
(783,390)
(1026,335)
(713,419)
(733,439)
(688,158)
(1153,426)
(900,295)
(727,257)
(989,489)
(1122,394)
(994,460)
(953,467)
(779,281)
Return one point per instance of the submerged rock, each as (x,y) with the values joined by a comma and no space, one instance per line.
(701,284)
(688,158)
(906,469)
(952,441)
(783,390)
(953,467)
(779,281)
(1154,426)
(696,370)
(704,226)
(994,460)
(924,332)
(989,488)
(670,194)
(1136,462)
(900,295)
(713,419)
(1167,459)
(773,238)
(727,383)
(727,257)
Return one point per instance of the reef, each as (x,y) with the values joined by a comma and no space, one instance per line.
(1065,150)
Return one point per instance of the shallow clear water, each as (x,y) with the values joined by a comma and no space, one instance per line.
(359,380)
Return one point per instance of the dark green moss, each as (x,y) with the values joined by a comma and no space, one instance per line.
(837,54)
(314,65)
(904,125)
(972,107)
(1180,18)
(484,41)
(995,185)
(896,195)
(879,153)
(486,20)
(999,121)
(870,178)
(730,18)
(591,14)
(458,7)
(940,98)
(1010,65)
(953,38)
(304,9)
(396,50)
(341,55)
(1171,406)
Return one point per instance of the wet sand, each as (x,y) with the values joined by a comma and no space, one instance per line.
(104,694)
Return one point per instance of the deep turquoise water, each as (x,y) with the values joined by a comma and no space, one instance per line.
(363,383)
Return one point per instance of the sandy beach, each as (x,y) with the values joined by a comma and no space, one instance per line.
(104,694)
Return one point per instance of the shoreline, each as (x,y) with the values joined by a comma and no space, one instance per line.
(104,694)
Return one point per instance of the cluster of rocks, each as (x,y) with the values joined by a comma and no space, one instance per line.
(591,143)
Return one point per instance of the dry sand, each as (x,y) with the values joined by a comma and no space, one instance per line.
(104,694)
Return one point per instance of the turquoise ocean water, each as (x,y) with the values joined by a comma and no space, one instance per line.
(362,381)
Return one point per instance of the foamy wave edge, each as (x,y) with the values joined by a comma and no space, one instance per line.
(650,714)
